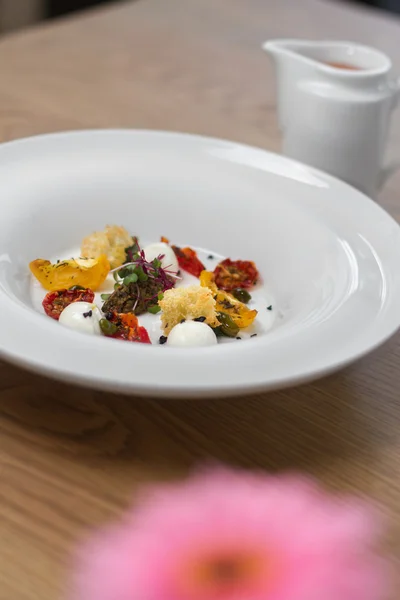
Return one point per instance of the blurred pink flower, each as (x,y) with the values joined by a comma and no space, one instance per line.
(227,535)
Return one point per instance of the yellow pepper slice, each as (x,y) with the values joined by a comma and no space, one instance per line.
(86,272)
(226,303)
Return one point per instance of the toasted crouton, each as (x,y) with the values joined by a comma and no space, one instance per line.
(190,302)
(111,242)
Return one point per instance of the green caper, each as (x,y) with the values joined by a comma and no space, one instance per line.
(107,327)
(228,326)
(154,309)
(241,295)
(218,331)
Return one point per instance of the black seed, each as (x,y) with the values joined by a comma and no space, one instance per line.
(200,319)
(238,338)
(89,313)
(183,321)
(109,316)
(254,335)
(162,339)
(269,307)
(210,256)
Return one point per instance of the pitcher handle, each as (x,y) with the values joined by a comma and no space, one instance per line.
(393,165)
(395,86)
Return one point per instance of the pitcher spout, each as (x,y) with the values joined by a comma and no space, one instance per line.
(292,54)
(322,54)
(280,46)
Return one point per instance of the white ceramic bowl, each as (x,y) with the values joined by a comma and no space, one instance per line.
(328,254)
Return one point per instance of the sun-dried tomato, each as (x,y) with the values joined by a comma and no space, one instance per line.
(232,274)
(188,260)
(128,328)
(55,302)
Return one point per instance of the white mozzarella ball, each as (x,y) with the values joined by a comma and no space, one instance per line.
(82,316)
(191,333)
(169,261)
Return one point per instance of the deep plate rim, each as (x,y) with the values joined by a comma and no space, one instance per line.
(224,388)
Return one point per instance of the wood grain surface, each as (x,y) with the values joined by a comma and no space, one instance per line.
(70,458)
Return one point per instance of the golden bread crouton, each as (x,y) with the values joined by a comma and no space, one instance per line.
(187,303)
(111,242)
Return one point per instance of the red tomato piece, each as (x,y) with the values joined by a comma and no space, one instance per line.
(232,274)
(188,261)
(128,328)
(55,302)
(144,336)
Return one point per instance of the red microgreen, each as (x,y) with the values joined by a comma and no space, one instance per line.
(131,251)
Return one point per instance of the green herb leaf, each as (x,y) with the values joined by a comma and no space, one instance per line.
(156,263)
(125,271)
(105,297)
(141,274)
(132,278)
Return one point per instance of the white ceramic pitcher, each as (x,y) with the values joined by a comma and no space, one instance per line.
(335,100)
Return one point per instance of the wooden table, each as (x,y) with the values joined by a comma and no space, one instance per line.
(71,458)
